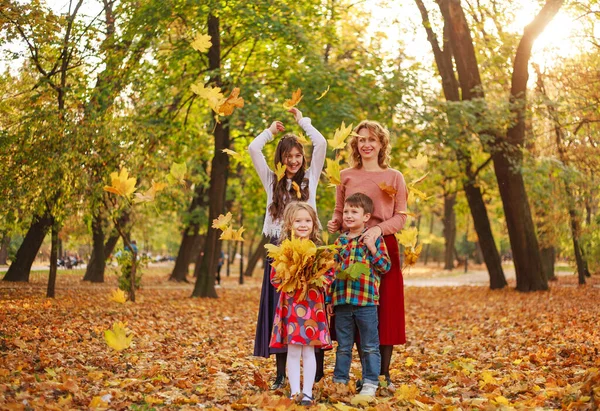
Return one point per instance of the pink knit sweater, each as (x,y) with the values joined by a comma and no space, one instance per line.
(386,207)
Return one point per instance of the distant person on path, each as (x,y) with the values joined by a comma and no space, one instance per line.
(355,298)
(372,176)
(298,181)
(219,266)
(300,322)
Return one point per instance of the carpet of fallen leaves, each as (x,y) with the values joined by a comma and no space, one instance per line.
(468,348)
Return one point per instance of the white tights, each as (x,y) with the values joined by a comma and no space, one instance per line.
(307,353)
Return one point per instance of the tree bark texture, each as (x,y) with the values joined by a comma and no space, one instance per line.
(4,244)
(258,254)
(50,291)
(449,230)
(20,268)
(206,267)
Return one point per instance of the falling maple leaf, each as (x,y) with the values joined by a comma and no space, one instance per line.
(325,236)
(202,43)
(121,184)
(222,222)
(389,190)
(419,163)
(333,172)
(411,255)
(177,173)
(324,93)
(301,139)
(296,97)
(117,338)
(227,106)
(296,188)
(280,171)
(229,234)
(338,141)
(118,296)
(408,237)
(232,153)
(212,95)
(150,194)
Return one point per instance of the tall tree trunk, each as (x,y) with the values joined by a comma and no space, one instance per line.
(450,86)
(50,291)
(206,267)
(4,244)
(258,253)
(94,271)
(20,268)
(548,258)
(428,245)
(97,266)
(507,155)
(449,230)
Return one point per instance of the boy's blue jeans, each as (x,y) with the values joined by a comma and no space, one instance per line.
(347,319)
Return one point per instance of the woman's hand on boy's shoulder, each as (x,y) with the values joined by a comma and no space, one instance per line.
(276,127)
(297,114)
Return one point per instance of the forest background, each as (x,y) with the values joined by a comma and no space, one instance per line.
(497,101)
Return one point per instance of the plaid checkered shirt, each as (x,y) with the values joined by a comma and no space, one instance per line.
(363,291)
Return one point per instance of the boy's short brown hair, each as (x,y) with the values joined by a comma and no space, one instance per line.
(360,200)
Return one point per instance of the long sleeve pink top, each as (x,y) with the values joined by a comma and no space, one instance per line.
(387,208)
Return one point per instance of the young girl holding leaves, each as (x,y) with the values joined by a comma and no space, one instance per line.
(300,322)
(292,182)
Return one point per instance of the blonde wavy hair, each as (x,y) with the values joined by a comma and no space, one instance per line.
(377,130)
(289,214)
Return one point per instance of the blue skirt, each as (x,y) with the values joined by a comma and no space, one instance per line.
(269,297)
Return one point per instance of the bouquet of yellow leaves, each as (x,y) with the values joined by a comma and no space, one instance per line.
(300,264)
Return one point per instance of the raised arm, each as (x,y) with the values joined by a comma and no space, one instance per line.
(258,159)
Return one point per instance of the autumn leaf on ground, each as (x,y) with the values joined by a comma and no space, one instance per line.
(389,190)
(117,338)
(202,43)
(118,296)
(333,172)
(259,381)
(222,221)
(408,237)
(121,183)
(232,153)
(338,141)
(324,93)
(229,234)
(296,188)
(177,173)
(406,392)
(226,107)
(98,402)
(296,97)
(150,194)
(280,171)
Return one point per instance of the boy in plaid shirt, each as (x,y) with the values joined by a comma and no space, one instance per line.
(355,294)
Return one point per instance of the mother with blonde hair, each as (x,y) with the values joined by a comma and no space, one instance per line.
(372,175)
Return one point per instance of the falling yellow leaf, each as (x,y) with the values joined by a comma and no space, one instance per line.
(338,141)
(408,237)
(227,106)
(202,43)
(229,234)
(389,190)
(296,188)
(280,171)
(324,93)
(117,338)
(232,153)
(222,222)
(325,236)
(408,213)
(333,172)
(177,173)
(418,193)
(418,180)
(121,183)
(150,194)
(211,94)
(296,97)
(118,296)
(411,255)
(302,140)
(419,162)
